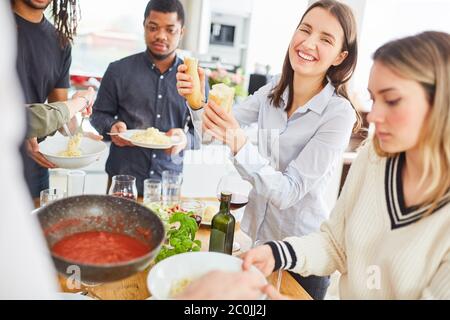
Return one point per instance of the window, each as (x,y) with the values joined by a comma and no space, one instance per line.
(108,31)
(385,20)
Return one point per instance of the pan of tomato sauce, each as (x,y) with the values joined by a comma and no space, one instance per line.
(100,247)
(108,238)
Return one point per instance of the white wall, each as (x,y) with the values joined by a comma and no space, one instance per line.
(198,19)
(235,7)
(112,15)
(196,38)
(271,29)
(385,20)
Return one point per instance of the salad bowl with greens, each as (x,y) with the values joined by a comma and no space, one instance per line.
(181,228)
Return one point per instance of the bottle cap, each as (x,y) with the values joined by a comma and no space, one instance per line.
(225,196)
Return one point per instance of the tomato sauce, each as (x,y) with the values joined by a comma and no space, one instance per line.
(100,247)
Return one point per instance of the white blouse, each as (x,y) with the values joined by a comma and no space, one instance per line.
(293,161)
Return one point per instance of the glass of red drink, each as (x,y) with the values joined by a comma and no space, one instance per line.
(124,186)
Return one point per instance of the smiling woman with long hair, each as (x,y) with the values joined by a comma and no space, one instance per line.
(304,120)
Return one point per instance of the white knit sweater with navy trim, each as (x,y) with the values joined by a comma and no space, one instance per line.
(382,249)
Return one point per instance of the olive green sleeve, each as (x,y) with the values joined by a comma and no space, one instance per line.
(45,119)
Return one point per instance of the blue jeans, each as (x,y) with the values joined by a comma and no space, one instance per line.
(36,177)
(37,181)
(314,285)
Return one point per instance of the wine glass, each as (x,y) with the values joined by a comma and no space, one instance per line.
(239,189)
(195,207)
(124,186)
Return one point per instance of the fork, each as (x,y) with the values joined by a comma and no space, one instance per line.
(67,131)
(80,127)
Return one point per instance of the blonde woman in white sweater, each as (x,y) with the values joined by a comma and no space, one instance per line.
(389,234)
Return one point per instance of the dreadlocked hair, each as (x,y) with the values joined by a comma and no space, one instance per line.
(65,17)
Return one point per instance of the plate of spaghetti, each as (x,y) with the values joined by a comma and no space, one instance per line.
(150,138)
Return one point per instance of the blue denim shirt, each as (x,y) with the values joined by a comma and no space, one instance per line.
(134,91)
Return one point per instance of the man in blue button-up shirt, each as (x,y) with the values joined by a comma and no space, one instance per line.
(139,92)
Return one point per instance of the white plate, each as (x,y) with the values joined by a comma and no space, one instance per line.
(129,133)
(91,149)
(206,223)
(190,265)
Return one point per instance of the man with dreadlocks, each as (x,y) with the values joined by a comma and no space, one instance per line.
(43,63)
(139,92)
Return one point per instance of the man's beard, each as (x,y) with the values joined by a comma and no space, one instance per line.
(160,57)
(31,4)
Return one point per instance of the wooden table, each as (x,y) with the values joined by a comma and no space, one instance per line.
(135,287)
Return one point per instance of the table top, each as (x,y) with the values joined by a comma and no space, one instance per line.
(135,287)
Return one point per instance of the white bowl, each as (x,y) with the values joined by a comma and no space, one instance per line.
(190,265)
(91,151)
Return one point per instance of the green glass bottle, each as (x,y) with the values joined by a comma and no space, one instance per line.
(222,227)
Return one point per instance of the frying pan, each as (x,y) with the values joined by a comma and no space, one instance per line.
(101,213)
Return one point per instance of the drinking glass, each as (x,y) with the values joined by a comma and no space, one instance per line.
(152,190)
(171,187)
(124,186)
(49,195)
(195,207)
(238,187)
(75,182)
